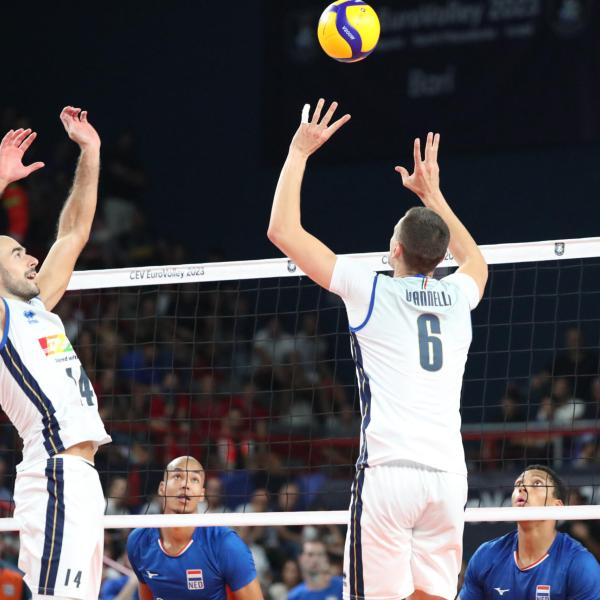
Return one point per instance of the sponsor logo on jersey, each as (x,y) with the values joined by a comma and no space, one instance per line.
(195,579)
(55,344)
(30,316)
(542,592)
(150,574)
(502,591)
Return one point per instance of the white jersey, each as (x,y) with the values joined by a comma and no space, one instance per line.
(44,390)
(410,337)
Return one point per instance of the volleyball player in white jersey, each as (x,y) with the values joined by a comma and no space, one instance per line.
(410,335)
(45,391)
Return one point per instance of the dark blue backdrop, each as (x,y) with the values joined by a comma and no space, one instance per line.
(213,110)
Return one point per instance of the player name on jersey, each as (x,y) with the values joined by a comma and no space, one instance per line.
(428,298)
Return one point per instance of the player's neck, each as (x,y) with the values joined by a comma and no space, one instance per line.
(534,541)
(402,271)
(175,539)
(318,582)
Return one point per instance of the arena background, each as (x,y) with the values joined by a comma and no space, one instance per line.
(211,95)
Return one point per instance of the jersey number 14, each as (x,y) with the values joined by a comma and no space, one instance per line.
(431,353)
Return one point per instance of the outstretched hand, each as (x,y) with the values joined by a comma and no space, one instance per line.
(78,128)
(12,148)
(311,135)
(425,179)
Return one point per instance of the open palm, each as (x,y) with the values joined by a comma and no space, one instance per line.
(12,148)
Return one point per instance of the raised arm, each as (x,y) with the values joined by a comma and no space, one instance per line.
(285,228)
(76,217)
(425,183)
(12,148)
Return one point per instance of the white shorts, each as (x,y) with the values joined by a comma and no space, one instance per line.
(59,505)
(405,533)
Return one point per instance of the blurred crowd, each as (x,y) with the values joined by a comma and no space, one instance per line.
(260,392)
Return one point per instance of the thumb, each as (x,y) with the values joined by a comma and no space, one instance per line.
(403,173)
(34,167)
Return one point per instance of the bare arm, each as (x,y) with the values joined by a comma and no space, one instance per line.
(12,148)
(251,591)
(285,228)
(425,182)
(77,215)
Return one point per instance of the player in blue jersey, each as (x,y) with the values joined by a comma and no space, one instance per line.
(318,582)
(44,389)
(175,563)
(535,562)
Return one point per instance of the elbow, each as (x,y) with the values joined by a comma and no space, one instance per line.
(276,235)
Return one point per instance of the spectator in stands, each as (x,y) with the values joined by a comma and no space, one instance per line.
(235,441)
(577,362)
(12,586)
(272,345)
(561,407)
(586,532)
(289,536)
(117,497)
(290,577)
(318,583)
(213,497)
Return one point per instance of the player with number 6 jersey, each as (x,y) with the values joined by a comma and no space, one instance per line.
(45,391)
(410,335)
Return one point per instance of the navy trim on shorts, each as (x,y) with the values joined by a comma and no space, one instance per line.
(371,305)
(55,523)
(357,584)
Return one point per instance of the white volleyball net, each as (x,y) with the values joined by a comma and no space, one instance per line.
(247,367)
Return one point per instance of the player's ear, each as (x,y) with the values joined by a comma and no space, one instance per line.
(161,488)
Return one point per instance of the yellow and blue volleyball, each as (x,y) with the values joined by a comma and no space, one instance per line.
(348,30)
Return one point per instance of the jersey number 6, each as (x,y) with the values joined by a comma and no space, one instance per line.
(430,346)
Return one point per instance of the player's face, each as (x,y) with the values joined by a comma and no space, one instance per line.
(534,488)
(18,277)
(182,489)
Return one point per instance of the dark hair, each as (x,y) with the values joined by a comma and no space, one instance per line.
(558,485)
(424,237)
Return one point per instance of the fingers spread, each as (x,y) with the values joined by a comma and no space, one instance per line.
(21,137)
(417,152)
(317,113)
(305,111)
(428,145)
(435,147)
(28,140)
(329,114)
(337,124)
(34,167)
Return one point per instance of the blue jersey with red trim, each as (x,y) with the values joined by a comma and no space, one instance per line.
(215,557)
(567,572)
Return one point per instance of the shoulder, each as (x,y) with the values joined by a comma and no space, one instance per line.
(139,538)
(221,539)
(297,592)
(466,287)
(580,555)
(495,549)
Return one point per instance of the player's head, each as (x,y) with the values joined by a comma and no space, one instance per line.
(314,560)
(539,485)
(182,486)
(17,271)
(419,242)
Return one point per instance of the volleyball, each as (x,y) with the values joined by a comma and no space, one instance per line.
(348,30)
